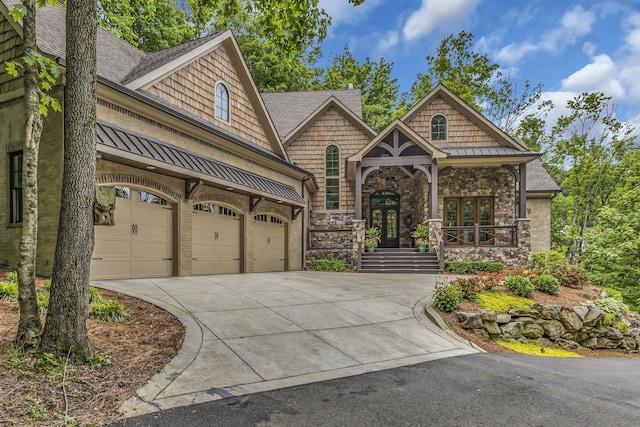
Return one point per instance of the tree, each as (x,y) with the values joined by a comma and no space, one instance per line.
(65,328)
(379,90)
(150,25)
(40,73)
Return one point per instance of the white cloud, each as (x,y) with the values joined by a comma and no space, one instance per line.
(343,12)
(600,75)
(386,42)
(574,24)
(436,14)
(589,48)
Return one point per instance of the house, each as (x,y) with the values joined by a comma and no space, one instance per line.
(208,176)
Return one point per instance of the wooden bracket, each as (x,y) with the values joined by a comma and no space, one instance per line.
(514,171)
(296,211)
(191,186)
(254,202)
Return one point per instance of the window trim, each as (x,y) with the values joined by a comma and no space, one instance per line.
(445,132)
(477,200)
(218,103)
(335,179)
(16,195)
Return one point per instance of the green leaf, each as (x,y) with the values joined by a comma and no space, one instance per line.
(18,12)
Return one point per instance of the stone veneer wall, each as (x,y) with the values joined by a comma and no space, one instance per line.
(570,328)
(331,236)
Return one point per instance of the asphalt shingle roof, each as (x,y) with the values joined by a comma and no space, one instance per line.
(539,180)
(289,109)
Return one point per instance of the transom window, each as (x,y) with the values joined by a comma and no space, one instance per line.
(15,186)
(222,102)
(438,128)
(261,218)
(332,177)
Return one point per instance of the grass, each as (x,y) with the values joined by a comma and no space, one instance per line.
(534,349)
(501,302)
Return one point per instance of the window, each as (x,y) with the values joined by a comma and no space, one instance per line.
(467,212)
(438,128)
(332,178)
(123,192)
(143,196)
(225,211)
(222,102)
(15,187)
(204,207)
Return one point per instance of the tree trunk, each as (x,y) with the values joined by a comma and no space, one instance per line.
(29,327)
(66,324)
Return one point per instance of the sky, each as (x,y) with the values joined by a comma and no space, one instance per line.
(569,46)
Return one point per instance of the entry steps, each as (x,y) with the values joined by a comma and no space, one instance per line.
(399,260)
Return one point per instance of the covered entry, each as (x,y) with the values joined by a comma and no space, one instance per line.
(269,243)
(140,244)
(217,239)
(384,214)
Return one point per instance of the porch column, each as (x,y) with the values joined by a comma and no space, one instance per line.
(523,190)
(359,191)
(433,191)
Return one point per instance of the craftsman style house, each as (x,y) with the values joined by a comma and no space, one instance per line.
(198,173)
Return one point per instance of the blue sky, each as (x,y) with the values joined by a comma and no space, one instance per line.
(569,46)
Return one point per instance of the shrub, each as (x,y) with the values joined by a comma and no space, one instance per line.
(469,287)
(323,264)
(534,349)
(94,295)
(520,271)
(46,284)
(572,276)
(12,277)
(109,311)
(612,306)
(43,302)
(519,285)
(470,267)
(8,291)
(609,319)
(501,302)
(546,261)
(547,284)
(612,293)
(447,297)
(490,280)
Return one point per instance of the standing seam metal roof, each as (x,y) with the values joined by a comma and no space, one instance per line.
(150,148)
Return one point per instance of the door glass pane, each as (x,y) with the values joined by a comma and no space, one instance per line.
(452,213)
(376,218)
(485,219)
(392,224)
(468,214)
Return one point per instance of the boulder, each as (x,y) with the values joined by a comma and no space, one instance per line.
(589,342)
(607,343)
(570,320)
(470,320)
(532,330)
(544,342)
(489,316)
(481,333)
(551,312)
(614,333)
(634,332)
(512,330)
(491,327)
(629,344)
(553,330)
(581,311)
(505,318)
(594,317)
(521,312)
(567,344)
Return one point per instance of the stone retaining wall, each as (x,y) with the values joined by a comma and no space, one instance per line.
(568,328)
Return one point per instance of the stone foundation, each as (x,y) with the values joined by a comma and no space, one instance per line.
(331,236)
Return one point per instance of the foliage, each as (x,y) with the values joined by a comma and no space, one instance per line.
(612,306)
(501,302)
(489,280)
(422,242)
(43,302)
(470,267)
(8,291)
(520,271)
(521,286)
(572,276)
(324,264)
(94,295)
(109,311)
(613,293)
(421,230)
(547,284)
(534,349)
(469,287)
(12,277)
(546,261)
(372,235)
(447,297)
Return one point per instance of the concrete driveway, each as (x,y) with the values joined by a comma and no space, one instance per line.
(248,333)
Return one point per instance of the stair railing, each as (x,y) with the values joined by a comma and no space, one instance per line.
(439,249)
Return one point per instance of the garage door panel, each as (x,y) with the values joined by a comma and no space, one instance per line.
(269,244)
(216,240)
(152,268)
(111,269)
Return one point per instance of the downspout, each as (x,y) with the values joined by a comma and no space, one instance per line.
(302,253)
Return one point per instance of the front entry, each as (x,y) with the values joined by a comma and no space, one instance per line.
(385,211)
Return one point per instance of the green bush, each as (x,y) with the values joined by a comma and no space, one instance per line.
(447,297)
(43,302)
(109,311)
(546,261)
(612,306)
(547,284)
(94,295)
(323,264)
(46,284)
(470,267)
(519,285)
(612,293)
(572,276)
(8,291)
(12,277)
(469,287)
(501,302)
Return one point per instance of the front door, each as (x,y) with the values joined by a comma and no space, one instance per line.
(385,211)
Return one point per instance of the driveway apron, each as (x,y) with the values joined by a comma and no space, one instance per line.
(247,333)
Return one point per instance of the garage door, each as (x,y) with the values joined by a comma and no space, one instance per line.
(216,240)
(269,244)
(140,244)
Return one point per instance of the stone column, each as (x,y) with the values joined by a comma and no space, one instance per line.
(524,240)
(358,240)
(434,225)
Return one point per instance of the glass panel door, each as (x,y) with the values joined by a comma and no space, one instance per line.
(384,215)
(468,220)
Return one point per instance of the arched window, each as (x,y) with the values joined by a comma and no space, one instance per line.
(332,177)
(438,128)
(222,102)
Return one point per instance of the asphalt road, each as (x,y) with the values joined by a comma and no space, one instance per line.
(474,390)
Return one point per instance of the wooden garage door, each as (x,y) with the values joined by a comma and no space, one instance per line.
(140,244)
(269,244)
(216,240)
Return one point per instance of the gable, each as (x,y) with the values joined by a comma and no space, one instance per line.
(10,49)
(192,88)
(461,131)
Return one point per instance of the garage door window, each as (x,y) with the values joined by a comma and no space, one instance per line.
(123,192)
(204,207)
(151,198)
(226,211)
